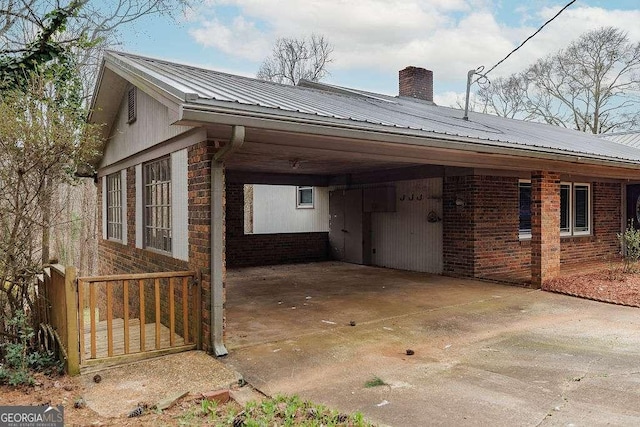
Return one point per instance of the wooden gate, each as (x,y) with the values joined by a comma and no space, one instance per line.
(134,316)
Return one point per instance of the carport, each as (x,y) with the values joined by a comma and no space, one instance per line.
(414,186)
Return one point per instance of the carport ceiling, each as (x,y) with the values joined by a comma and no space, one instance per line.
(269,158)
(268,151)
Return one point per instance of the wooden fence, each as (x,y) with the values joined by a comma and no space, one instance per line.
(133,316)
(113,319)
(57,312)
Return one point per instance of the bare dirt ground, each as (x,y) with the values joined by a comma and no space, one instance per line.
(608,285)
(67,390)
(121,389)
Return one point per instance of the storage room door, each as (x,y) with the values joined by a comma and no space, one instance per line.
(336,224)
(345,225)
(353,226)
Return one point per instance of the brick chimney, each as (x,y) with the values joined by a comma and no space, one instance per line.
(416,82)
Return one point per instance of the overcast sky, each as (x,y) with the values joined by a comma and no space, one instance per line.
(373,39)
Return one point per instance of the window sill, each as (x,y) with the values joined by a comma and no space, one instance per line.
(527,237)
(304,207)
(576,236)
(159,252)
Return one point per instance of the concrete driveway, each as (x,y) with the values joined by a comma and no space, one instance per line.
(485,354)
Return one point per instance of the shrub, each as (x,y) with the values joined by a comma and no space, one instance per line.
(630,246)
(20,357)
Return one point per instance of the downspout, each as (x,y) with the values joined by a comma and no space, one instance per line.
(217,238)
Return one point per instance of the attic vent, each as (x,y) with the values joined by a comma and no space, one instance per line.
(131,104)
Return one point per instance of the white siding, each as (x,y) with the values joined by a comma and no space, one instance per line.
(274,210)
(179,205)
(139,224)
(405,239)
(123,198)
(151,127)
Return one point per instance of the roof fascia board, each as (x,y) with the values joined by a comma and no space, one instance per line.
(96,90)
(153,87)
(193,115)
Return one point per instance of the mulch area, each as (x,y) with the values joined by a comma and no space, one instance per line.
(608,285)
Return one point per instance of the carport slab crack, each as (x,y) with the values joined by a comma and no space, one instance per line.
(570,385)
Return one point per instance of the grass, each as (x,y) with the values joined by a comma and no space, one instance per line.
(277,411)
(374,382)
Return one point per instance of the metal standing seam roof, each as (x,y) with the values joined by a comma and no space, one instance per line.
(630,139)
(336,105)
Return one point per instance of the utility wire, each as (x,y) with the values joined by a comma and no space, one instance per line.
(530,37)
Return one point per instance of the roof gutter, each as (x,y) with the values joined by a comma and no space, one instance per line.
(190,114)
(217,239)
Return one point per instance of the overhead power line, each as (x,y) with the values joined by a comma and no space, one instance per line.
(482,76)
(530,37)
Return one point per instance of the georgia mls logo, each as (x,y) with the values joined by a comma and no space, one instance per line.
(31,416)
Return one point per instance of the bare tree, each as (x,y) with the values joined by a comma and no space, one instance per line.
(49,51)
(294,59)
(41,144)
(591,86)
(34,32)
(94,26)
(505,96)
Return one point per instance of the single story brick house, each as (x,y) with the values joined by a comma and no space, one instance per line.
(411,185)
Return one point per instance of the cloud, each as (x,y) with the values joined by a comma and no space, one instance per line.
(448,37)
(450,99)
(240,37)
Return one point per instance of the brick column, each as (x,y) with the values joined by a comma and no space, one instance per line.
(545,226)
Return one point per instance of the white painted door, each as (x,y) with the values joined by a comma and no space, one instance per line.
(411,237)
(345,225)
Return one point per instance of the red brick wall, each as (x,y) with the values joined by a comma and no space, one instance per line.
(480,239)
(457,226)
(545,226)
(263,249)
(499,253)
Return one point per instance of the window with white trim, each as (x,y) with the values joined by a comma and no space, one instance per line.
(575,209)
(304,197)
(114,206)
(524,208)
(157,204)
(581,209)
(565,208)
